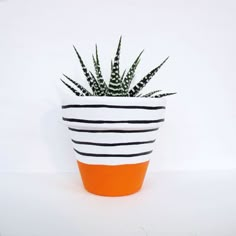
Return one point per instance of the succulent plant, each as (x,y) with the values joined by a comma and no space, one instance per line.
(119,83)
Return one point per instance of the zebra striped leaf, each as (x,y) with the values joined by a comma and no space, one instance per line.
(72,89)
(163,95)
(111,66)
(141,84)
(92,82)
(99,92)
(123,75)
(125,94)
(115,85)
(98,71)
(84,91)
(151,93)
(110,75)
(119,85)
(130,75)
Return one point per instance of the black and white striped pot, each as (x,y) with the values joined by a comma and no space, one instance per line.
(113,138)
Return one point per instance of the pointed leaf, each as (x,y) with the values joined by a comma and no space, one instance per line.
(163,95)
(72,89)
(125,94)
(151,93)
(100,80)
(123,75)
(130,75)
(84,91)
(92,83)
(110,76)
(111,66)
(100,92)
(115,85)
(99,72)
(141,84)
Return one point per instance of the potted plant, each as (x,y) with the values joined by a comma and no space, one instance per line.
(113,127)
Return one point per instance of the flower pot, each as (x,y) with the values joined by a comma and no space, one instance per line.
(113,138)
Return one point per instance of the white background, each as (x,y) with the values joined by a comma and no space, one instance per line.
(190,188)
(36,40)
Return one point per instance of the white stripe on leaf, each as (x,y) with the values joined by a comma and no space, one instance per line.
(98,71)
(130,75)
(92,82)
(72,89)
(151,93)
(162,95)
(115,72)
(84,91)
(141,84)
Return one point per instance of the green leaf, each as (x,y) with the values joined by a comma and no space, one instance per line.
(110,75)
(84,91)
(115,85)
(130,75)
(111,66)
(141,84)
(100,92)
(123,75)
(100,80)
(122,79)
(163,95)
(72,89)
(92,82)
(151,93)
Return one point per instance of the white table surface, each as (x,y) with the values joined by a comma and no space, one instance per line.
(181,203)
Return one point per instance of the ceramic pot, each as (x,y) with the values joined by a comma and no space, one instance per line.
(113,139)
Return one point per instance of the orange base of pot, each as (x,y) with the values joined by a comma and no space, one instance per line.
(118,180)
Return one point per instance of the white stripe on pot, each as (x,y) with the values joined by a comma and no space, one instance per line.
(114,124)
(112,113)
(122,149)
(113,144)
(69,99)
(109,136)
(113,130)
(109,160)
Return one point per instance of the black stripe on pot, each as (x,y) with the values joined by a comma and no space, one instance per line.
(113,144)
(112,131)
(113,155)
(112,121)
(113,106)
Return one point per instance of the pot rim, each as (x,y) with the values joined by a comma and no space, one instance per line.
(115,97)
(68,99)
